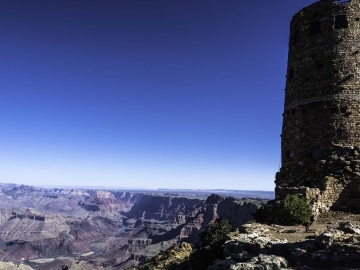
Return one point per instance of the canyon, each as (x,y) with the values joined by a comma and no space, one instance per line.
(67,228)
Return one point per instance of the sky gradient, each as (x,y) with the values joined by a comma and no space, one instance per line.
(143,94)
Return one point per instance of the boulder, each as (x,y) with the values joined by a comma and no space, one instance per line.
(261,262)
(347,227)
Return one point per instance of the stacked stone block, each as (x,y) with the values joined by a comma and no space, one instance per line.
(321,126)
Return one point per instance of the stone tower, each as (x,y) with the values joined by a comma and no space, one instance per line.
(321,126)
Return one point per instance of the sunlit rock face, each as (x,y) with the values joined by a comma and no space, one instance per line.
(106,202)
(29,234)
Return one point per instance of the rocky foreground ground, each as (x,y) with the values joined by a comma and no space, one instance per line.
(332,243)
(335,248)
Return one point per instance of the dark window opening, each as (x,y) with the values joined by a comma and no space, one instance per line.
(293,112)
(339,152)
(316,105)
(343,110)
(306,79)
(297,37)
(316,152)
(357,19)
(316,15)
(349,152)
(314,28)
(290,153)
(320,66)
(333,110)
(291,74)
(341,22)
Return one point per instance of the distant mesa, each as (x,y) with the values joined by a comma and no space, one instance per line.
(24,188)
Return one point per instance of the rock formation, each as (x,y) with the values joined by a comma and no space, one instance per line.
(157,223)
(11,266)
(336,247)
(49,228)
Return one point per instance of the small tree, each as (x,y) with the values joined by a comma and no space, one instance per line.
(211,240)
(216,233)
(293,210)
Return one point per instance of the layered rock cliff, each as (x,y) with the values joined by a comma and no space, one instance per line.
(109,202)
(236,211)
(173,209)
(168,221)
(30,234)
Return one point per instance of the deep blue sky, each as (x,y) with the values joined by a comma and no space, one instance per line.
(143,93)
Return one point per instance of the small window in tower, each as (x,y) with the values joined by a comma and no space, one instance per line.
(314,28)
(297,37)
(320,66)
(348,152)
(293,112)
(341,22)
(343,109)
(316,105)
(316,152)
(290,153)
(316,15)
(339,152)
(333,111)
(357,19)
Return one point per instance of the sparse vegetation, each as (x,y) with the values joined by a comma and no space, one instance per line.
(185,258)
(293,210)
(211,241)
(172,259)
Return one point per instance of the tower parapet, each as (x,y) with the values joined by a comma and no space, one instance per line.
(320,143)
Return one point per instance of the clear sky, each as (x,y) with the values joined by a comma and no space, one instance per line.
(143,93)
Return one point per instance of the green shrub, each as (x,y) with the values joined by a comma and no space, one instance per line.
(293,210)
(211,240)
(215,233)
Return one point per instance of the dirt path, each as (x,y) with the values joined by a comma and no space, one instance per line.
(323,222)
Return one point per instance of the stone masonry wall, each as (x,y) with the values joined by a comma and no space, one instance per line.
(321,126)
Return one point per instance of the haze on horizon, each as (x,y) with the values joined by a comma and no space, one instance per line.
(143,94)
